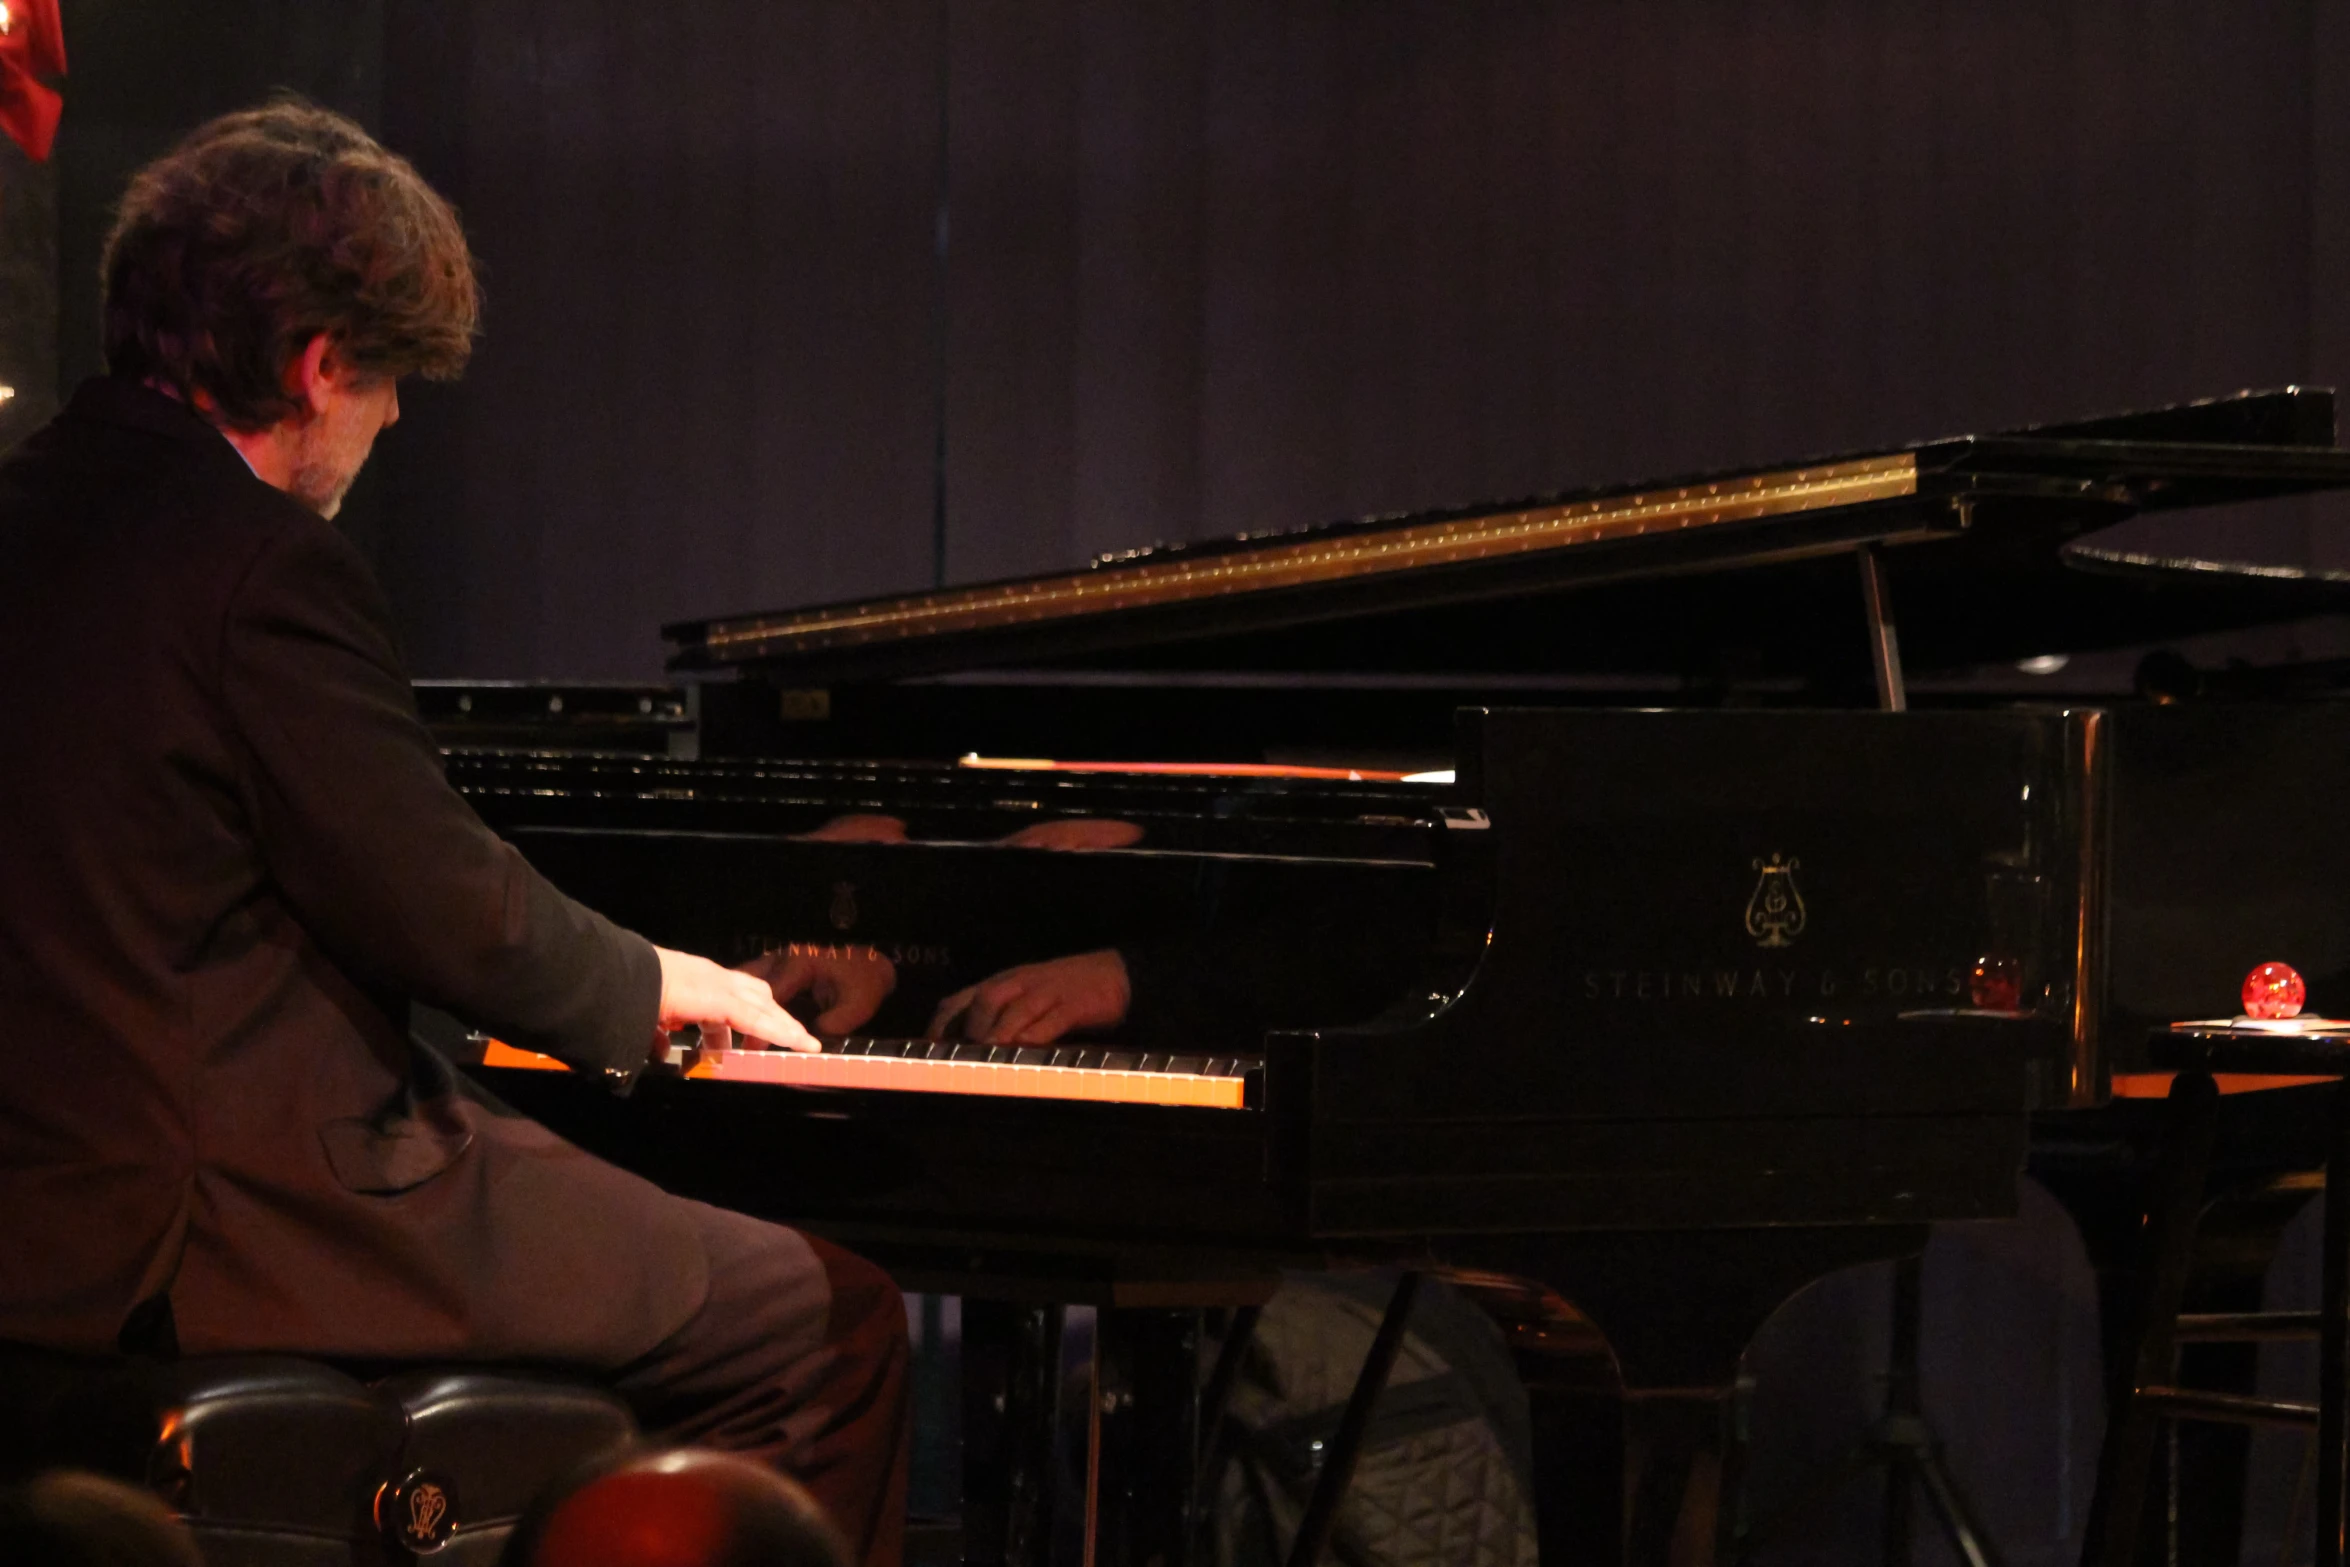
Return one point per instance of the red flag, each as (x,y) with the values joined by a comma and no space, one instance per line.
(32,45)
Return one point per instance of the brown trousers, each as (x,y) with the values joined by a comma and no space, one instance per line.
(797,1358)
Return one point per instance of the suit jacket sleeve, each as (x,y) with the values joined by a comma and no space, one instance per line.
(389,868)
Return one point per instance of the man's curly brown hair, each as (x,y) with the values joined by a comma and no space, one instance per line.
(266,228)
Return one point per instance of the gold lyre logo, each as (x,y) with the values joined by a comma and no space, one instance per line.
(844,905)
(1774,915)
(418,1513)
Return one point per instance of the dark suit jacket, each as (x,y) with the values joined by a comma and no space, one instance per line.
(227,857)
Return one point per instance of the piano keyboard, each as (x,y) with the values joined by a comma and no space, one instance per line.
(1100,1074)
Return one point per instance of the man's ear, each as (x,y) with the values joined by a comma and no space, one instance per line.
(308,376)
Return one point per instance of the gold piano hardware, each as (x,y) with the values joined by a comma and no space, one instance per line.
(1317,560)
(800,705)
(991,1079)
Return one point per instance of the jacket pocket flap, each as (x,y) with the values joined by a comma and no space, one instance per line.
(380,1160)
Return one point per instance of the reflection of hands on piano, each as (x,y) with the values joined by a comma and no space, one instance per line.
(1038,1003)
(847,984)
(696,992)
(1076,832)
(857,828)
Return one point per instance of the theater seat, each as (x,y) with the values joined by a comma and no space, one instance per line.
(500,1440)
(280,1462)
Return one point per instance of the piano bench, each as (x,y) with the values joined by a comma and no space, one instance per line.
(2145,1394)
(274,1461)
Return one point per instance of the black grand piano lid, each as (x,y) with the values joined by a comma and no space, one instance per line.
(1987,543)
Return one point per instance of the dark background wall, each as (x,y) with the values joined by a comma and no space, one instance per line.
(793,301)
(1224,266)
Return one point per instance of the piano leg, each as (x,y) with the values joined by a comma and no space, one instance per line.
(1011,1394)
(1143,1441)
(1676,1311)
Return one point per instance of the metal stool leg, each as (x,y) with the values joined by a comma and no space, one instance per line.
(2175,1202)
(2333,1329)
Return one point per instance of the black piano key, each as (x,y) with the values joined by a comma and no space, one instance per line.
(1032,1055)
(1151,1061)
(1120,1060)
(1185,1063)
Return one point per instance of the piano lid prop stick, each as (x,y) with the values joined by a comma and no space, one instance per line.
(1884,642)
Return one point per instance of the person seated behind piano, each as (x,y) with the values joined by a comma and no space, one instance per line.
(232,861)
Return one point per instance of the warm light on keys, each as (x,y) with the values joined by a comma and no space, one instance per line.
(2273,991)
(1997,984)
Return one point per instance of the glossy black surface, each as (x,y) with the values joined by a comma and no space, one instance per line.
(1603,1069)
(1988,564)
(1618,1045)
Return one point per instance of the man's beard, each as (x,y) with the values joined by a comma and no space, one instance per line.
(320,483)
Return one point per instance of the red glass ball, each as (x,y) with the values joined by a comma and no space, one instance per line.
(1997,984)
(2273,990)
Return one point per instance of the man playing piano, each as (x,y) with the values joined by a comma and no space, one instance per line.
(232,859)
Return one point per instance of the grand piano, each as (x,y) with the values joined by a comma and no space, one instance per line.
(1565,891)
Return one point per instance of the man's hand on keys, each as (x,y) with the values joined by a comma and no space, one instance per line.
(697,991)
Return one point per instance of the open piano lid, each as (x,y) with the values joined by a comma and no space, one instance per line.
(1983,550)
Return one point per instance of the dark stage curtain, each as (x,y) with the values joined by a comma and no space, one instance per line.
(1225,266)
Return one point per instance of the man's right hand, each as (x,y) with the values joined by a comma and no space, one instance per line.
(697,991)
